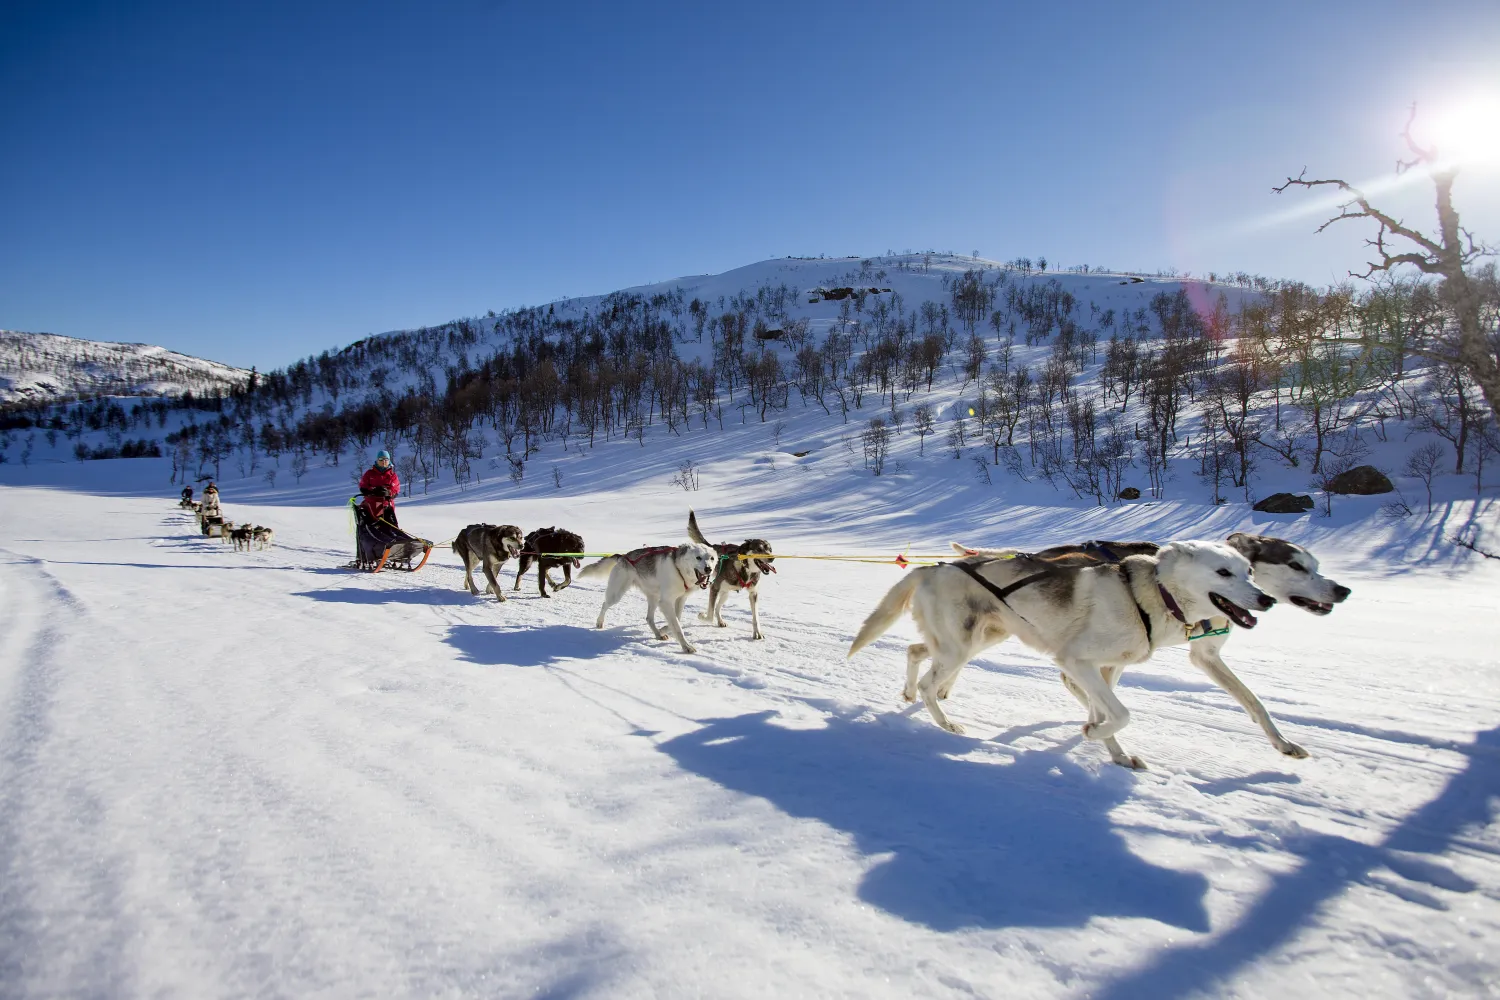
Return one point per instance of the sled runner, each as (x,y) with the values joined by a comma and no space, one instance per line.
(379,544)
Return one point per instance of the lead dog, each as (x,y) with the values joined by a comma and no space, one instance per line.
(1092,620)
(666,575)
(487,546)
(550,547)
(734,573)
(1283,569)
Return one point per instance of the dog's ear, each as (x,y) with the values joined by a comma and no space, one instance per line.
(1246,545)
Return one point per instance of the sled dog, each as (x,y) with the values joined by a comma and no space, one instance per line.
(264,537)
(1283,569)
(666,575)
(241,537)
(734,573)
(550,547)
(1092,620)
(487,546)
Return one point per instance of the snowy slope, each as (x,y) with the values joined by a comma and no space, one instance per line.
(42,367)
(225,773)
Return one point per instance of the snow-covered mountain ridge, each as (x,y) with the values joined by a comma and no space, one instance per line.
(46,367)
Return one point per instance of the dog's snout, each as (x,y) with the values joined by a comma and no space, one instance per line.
(1340,593)
(1265,602)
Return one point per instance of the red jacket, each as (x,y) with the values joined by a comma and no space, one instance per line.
(374,478)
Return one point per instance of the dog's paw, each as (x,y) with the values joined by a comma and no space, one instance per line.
(690,649)
(954,728)
(908,696)
(756,635)
(1129,760)
(703,616)
(1292,750)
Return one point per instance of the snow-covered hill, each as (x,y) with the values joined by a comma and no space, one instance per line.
(228,773)
(44,367)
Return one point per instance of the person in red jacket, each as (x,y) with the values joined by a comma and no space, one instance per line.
(380,486)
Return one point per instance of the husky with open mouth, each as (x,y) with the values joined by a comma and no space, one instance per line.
(1093,620)
(1283,569)
(665,574)
(735,572)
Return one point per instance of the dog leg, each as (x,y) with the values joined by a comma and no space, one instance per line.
(755,614)
(618,584)
(945,668)
(521,571)
(567,577)
(915,654)
(987,636)
(542,579)
(494,584)
(669,611)
(651,602)
(1116,752)
(1115,716)
(1209,661)
(715,598)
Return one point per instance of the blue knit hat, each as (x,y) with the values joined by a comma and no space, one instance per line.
(382,453)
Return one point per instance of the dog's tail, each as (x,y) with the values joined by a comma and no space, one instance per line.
(969,550)
(693,531)
(600,568)
(891,607)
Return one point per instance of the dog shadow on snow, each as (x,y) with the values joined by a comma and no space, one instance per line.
(965,844)
(533,646)
(1407,863)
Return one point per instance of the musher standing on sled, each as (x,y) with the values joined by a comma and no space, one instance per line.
(380,486)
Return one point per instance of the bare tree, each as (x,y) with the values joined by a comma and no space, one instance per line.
(923,422)
(876,439)
(1447,256)
(1422,464)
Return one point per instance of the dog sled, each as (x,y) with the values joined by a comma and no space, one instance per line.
(213,525)
(380,544)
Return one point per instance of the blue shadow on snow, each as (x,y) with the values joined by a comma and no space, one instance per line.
(1330,865)
(970,844)
(413,595)
(536,646)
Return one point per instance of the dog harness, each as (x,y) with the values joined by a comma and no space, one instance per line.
(1001,593)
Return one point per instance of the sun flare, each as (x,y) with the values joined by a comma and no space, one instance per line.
(1465,132)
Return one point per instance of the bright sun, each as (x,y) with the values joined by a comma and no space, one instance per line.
(1466,132)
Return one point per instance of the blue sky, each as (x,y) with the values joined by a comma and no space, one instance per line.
(256,182)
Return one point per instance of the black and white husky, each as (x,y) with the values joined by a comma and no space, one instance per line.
(1093,620)
(487,546)
(666,575)
(734,573)
(1283,569)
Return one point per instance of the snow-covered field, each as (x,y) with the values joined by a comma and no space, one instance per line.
(230,774)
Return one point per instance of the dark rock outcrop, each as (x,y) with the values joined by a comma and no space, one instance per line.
(1362,480)
(1285,503)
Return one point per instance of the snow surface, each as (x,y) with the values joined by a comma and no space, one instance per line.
(229,774)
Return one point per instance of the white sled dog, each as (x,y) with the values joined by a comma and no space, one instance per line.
(1092,620)
(666,575)
(1283,569)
